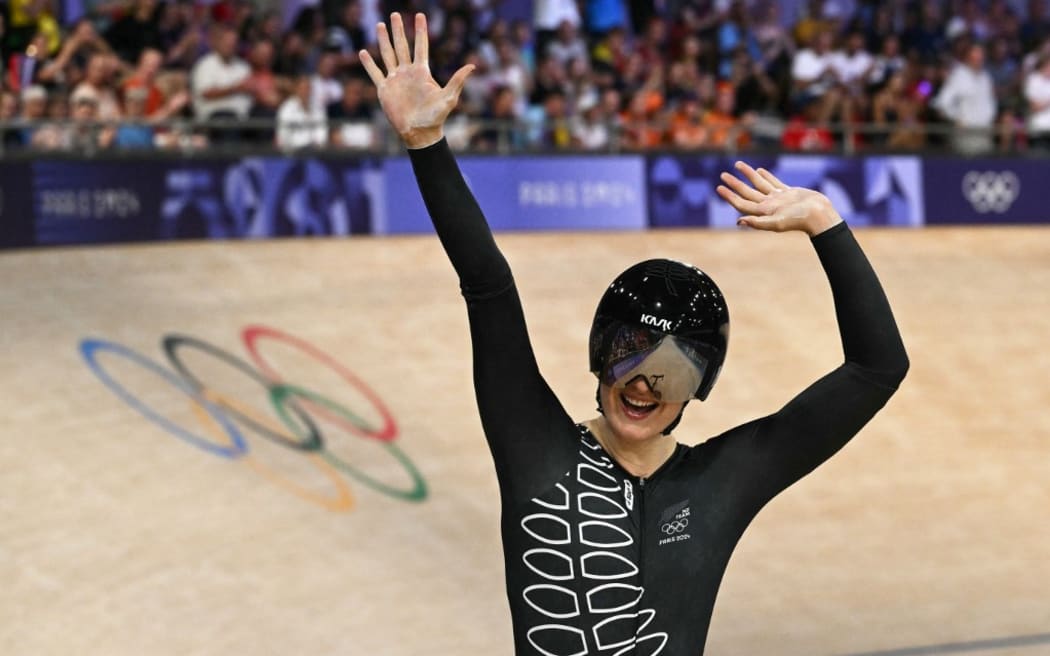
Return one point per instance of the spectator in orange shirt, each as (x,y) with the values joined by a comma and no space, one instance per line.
(143,82)
(145,77)
(641,124)
(724,129)
(687,124)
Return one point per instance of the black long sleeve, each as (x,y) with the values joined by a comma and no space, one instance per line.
(774,452)
(600,561)
(870,339)
(531,437)
(459,222)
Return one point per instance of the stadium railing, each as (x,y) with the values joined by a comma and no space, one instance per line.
(184,137)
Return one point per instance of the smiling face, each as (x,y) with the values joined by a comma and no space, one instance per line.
(634,413)
(658,339)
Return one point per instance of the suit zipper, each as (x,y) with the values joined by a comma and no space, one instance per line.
(641,530)
(641,545)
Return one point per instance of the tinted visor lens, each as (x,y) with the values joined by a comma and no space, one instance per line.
(673,368)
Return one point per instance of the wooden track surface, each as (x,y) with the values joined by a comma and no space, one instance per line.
(932,527)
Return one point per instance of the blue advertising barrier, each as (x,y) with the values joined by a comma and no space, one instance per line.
(16,205)
(53,202)
(986,190)
(106,201)
(530,193)
(866,191)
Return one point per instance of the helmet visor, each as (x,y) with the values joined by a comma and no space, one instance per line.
(672,367)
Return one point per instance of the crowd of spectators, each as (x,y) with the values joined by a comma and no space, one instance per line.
(583,74)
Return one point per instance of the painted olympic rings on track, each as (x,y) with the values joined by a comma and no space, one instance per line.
(89,348)
(252,335)
(281,393)
(225,420)
(341,502)
(171,344)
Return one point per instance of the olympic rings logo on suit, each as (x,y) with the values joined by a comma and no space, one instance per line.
(297,409)
(676,526)
(991,191)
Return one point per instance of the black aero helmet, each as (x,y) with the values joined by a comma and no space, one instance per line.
(666,321)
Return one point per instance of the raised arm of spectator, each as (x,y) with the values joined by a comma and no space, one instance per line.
(83,36)
(172,106)
(181,52)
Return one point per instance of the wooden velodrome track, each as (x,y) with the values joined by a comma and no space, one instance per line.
(119,534)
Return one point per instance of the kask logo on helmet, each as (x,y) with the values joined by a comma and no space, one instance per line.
(648,302)
(226,421)
(656,322)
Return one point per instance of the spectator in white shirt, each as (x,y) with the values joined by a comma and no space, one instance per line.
(511,73)
(567,45)
(547,17)
(498,33)
(852,65)
(352,117)
(967,99)
(854,62)
(326,89)
(1037,93)
(221,87)
(815,79)
(301,120)
(811,69)
(549,14)
(887,63)
(590,129)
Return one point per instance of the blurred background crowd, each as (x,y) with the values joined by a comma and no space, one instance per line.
(810,75)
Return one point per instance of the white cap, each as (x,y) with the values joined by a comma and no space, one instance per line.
(84,93)
(34,92)
(587,101)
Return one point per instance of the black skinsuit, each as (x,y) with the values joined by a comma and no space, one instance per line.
(599,561)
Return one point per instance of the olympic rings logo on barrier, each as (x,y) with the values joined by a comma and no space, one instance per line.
(676,526)
(991,191)
(225,420)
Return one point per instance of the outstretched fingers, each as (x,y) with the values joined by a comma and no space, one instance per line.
(371,67)
(773,222)
(422,40)
(386,51)
(396,53)
(400,40)
(455,84)
(772,179)
(755,178)
(742,188)
(739,203)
